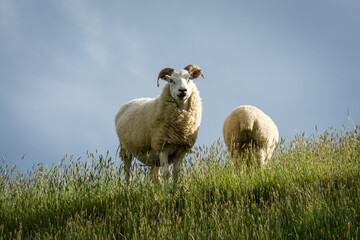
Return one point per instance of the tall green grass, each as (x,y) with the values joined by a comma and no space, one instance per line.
(309,190)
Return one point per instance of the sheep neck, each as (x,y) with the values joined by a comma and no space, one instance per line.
(177,127)
(184,105)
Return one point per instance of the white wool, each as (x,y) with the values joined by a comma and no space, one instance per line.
(248,126)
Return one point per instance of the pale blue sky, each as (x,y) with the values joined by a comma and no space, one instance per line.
(66,67)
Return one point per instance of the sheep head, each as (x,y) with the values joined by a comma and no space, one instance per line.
(180,82)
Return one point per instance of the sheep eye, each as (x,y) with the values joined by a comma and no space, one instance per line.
(171,81)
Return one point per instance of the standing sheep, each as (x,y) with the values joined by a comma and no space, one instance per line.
(248,128)
(160,131)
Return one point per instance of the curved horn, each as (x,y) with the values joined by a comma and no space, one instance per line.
(192,67)
(163,73)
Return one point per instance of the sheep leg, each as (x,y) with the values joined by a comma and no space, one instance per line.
(177,169)
(164,164)
(269,151)
(265,155)
(154,173)
(127,167)
(126,158)
(262,155)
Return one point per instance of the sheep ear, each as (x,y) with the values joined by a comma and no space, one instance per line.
(196,73)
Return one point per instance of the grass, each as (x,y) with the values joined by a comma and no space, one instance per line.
(310,190)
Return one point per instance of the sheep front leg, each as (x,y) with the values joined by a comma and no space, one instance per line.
(177,168)
(164,164)
(154,173)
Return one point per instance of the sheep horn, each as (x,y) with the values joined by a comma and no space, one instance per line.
(192,67)
(163,73)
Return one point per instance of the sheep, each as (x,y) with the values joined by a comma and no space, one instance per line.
(246,129)
(160,131)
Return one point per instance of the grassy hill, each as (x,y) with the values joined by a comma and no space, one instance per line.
(310,190)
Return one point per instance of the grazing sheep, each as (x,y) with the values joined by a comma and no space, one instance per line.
(246,129)
(160,131)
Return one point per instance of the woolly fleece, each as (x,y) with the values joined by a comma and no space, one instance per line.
(248,125)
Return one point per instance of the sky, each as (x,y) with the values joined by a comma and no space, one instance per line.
(66,67)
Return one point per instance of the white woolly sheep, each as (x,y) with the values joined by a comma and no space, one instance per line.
(246,129)
(160,131)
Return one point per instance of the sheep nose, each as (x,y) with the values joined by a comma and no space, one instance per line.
(182,93)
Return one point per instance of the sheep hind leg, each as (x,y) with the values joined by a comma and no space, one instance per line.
(127,159)
(265,155)
(238,159)
(262,157)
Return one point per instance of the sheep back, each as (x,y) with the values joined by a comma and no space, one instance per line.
(249,125)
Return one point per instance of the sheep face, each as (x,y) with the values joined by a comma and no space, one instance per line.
(181,84)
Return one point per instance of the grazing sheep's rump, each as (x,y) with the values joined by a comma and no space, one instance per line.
(247,127)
